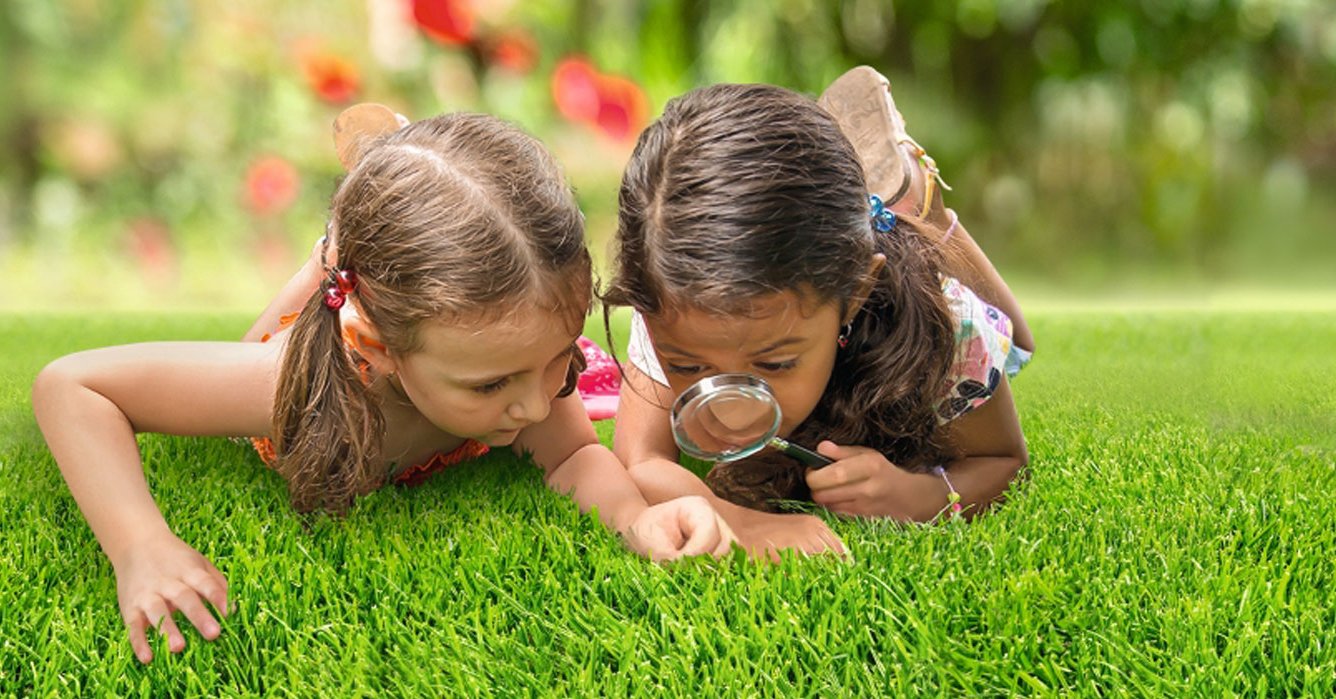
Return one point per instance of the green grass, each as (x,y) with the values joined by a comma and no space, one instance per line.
(1175,537)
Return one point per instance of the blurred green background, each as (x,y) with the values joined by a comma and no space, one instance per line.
(177,153)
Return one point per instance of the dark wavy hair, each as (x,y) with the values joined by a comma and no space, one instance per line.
(456,218)
(739,191)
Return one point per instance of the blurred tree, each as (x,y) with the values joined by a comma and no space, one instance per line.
(1198,135)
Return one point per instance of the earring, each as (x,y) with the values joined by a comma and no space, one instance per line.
(845,332)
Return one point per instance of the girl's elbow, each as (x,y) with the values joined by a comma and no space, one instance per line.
(1017,464)
(557,469)
(642,471)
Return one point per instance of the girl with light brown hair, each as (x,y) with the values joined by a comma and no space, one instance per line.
(453,285)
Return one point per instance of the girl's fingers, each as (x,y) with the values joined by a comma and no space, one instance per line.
(176,641)
(726,538)
(718,541)
(700,524)
(657,537)
(159,616)
(136,626)
(218,597)
(830,498)
(833,543)
(658,546)
(837,452)
(842,473)
(188,601)
(212,586)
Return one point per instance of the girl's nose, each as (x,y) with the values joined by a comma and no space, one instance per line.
(533,407)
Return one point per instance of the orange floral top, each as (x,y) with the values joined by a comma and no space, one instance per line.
(413,475)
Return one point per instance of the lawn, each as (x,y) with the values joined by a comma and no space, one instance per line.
(1176,536)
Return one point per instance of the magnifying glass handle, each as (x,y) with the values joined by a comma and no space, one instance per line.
(808,457)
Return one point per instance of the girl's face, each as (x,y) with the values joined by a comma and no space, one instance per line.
(487,380)
(789,340)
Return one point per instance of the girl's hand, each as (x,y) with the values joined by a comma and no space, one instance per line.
(685,526)
(164,575)
(765,534)
(861,482)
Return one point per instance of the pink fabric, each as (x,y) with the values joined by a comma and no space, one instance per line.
(600,382)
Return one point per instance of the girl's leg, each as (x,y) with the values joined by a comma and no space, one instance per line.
(291,298)
(899,170)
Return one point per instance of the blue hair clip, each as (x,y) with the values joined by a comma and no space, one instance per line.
(883,219)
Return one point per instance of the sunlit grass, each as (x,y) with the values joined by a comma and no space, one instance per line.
(1175,537)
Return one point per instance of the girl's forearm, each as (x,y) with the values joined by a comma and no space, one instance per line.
(661,480)
(94,445)
(979,480)
(593,477)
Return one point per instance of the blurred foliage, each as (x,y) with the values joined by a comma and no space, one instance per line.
(182,147)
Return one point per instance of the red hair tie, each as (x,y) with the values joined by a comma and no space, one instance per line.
(344,281)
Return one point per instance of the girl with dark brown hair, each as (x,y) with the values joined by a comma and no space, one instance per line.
(453,289)
(748,243)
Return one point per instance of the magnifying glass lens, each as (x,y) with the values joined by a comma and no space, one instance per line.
(740,419)
(725,417)
(723,425)
(730,417)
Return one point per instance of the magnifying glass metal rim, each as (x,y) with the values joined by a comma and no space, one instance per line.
(715,383)
(744,381)
(711,385)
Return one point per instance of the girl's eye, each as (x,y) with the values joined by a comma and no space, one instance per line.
(773,367)
(492,387)
(683,369)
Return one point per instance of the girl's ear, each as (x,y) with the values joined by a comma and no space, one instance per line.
(865,289)
(366,340)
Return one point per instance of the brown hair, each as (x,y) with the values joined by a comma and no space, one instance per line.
(457,218)
(745,190)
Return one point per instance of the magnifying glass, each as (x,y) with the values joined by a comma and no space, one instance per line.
(728,417)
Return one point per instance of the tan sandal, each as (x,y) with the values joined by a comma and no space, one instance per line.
(896,167)
(358,125)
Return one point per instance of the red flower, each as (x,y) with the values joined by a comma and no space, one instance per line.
(575,90)
(614,105)
(448,21)
(622,108)
(271,185)
(150,242)
(332,77)
(514,51)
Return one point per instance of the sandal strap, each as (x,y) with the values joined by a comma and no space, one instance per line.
(933,174)
(904,182)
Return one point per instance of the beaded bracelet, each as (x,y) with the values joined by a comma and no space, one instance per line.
(952,496)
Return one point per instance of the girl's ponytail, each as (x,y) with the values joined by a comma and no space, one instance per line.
(327,425)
